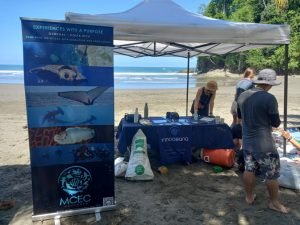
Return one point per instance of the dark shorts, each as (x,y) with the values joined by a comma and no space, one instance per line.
(267,162)
(236,131)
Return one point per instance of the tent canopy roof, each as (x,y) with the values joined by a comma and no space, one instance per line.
(161,28)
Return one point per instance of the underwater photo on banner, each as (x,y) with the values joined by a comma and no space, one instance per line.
(69,90)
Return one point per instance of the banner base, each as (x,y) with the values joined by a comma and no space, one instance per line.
(57,220)
(61,214)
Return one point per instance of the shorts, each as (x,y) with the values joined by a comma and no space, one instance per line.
(233,109)
(267,162)
(236,131)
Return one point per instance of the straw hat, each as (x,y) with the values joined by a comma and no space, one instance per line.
(267,76)
(211,85)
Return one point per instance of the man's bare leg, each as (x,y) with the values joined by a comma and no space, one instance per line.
(273,187)
(249,183)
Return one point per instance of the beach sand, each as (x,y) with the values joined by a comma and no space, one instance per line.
(187,195)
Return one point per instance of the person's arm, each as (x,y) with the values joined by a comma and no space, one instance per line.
(197,99)
(211,104)
(295,143)
(290,139)
(239,114)
(275,120)
(236,131)
(237,143)
(273,112)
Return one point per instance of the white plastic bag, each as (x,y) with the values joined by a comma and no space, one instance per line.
(289,174)
(139,166)
(120,167)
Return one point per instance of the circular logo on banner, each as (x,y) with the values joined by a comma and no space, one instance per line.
(174,130)
(74,180)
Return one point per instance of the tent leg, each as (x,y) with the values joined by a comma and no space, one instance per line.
(286,67)
(187,84)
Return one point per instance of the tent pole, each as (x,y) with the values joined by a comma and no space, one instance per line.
(187,84)
(286,67)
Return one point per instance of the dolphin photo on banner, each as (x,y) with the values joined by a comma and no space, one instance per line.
(69,89)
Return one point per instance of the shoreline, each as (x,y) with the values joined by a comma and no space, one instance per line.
(164,100)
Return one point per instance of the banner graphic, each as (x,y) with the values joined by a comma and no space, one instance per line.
(69,87)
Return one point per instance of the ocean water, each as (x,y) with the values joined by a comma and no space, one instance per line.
(124,77)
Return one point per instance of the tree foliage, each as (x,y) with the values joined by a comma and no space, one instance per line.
(256,11)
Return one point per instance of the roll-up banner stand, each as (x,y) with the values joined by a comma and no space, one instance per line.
(69,87)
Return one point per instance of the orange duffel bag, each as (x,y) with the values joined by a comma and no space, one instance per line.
(221,157)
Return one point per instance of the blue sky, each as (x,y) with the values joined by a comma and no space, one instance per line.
(11,34)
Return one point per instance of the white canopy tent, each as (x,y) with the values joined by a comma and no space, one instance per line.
(163,28)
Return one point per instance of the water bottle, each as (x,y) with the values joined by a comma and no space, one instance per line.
(146,111)
(217,119)
(136,116)
(195,116)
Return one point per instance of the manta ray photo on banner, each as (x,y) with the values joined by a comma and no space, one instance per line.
(85,97)
(37,96)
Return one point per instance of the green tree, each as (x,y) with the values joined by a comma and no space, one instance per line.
(258,11)
(272,15)
(219,9)
(281,4)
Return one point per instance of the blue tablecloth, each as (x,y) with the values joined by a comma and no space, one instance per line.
(176,137)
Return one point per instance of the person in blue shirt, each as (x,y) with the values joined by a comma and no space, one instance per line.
(258,110)
(243,85)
